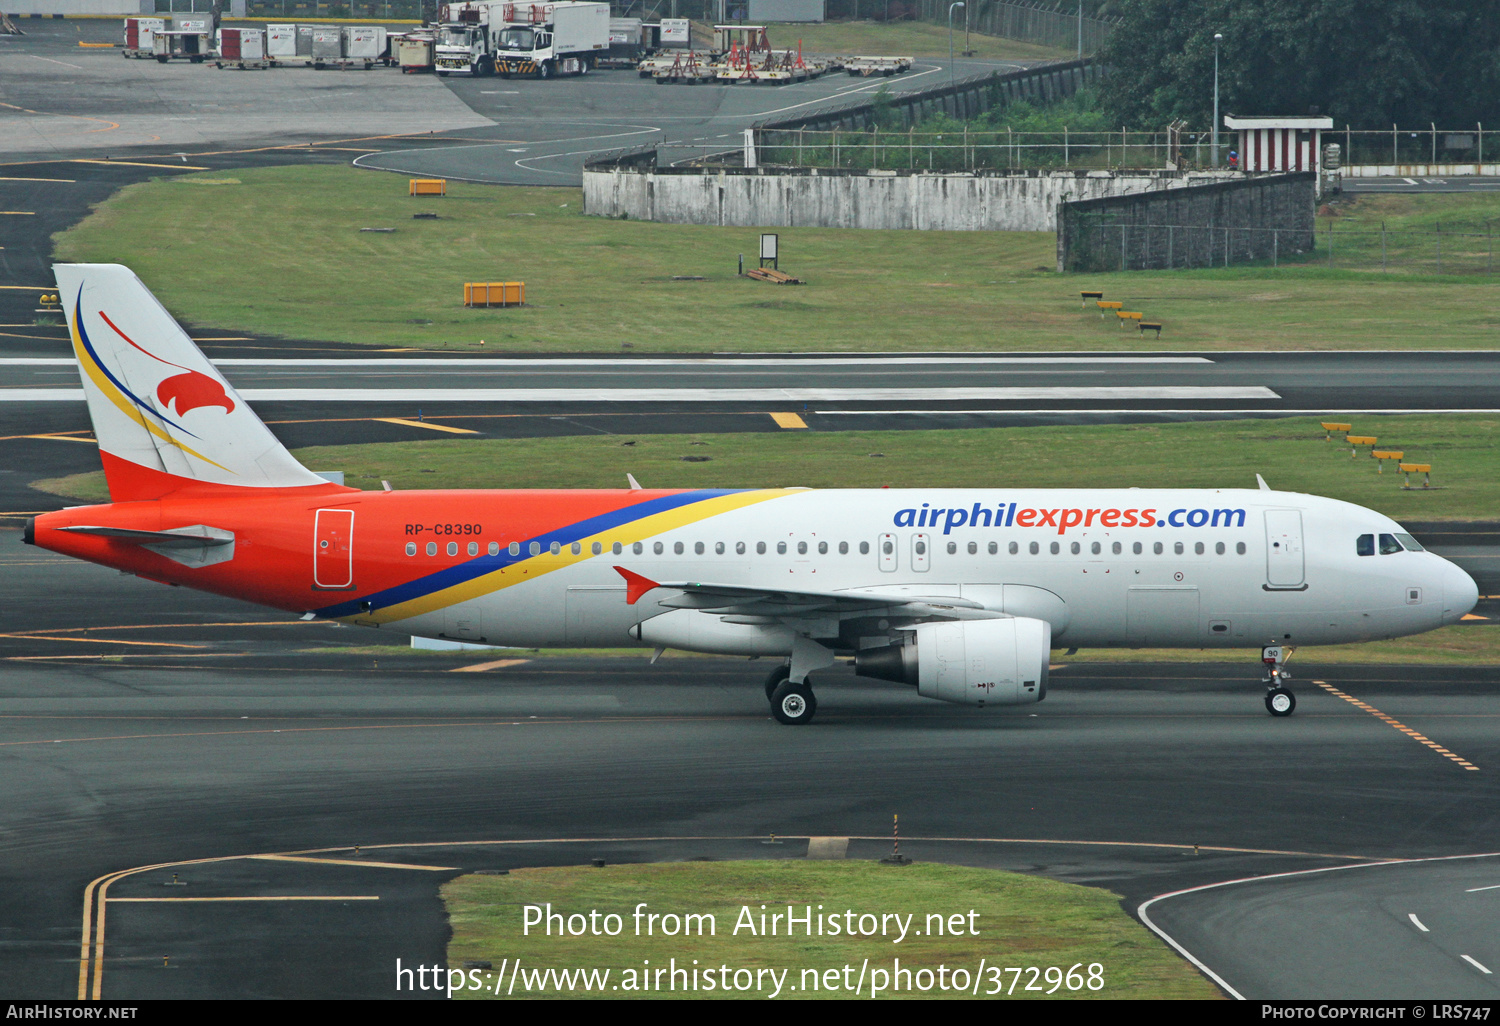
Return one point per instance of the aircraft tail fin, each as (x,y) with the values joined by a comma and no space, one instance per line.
(165,418)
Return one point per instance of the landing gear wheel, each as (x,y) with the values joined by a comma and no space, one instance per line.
(1280,702)
(776,678)
(793,704)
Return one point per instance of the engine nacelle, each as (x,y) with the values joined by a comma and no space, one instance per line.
(692,631)
(970,662)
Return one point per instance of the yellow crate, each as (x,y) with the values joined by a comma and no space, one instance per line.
(495,293)
(428,187)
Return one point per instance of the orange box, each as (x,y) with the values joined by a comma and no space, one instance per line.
(428,187)
(495,293)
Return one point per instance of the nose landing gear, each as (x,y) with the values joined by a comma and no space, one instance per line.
(1279,701)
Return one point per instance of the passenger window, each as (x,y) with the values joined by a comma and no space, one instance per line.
(657,548)
(432,548)
(718,548)
(1177,548)
(1076,548)
(698,548)
(1239,547)
(760,548)
(887,548)
(677,548)
(1136,548)
(596,548)
(411,548)
(864,548)
(822,548)
(1219,548)
(843,548)
(1409,543)
(453,548)
(781,548)
(973,548)
(1198,548)
(1056,548)
(739,548)
(617,548)
(953,548)
(638,548)
(576,548)
(1389,544)
(1156,548)
(515,549)
(535,547)
(554,548)
(994,548)
(920,548)
(473,548)
(802,548)
(1015,548)
(1035,548)
(494,548)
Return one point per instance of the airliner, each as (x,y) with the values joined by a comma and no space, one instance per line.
(962,593)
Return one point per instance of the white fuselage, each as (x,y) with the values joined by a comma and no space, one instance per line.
(1123,567)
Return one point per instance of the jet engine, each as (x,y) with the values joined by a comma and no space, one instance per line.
(969,662)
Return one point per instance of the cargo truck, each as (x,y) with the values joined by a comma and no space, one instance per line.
(527,38)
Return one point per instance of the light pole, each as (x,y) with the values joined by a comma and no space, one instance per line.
(1218,38)
(950,35)
(1080,29)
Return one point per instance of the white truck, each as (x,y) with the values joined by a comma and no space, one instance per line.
(522,38)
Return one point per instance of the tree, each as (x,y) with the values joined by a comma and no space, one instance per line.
(1368,63)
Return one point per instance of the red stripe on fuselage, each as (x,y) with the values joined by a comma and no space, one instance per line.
(274,534)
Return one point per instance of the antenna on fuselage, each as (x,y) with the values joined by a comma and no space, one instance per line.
(1262,482)
(635,486)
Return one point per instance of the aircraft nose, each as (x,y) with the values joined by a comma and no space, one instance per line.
(1460,593)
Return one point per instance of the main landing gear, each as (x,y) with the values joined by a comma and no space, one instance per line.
(792,702)
(1279,701)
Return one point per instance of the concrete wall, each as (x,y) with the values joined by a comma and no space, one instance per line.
(1418,170)
(1208,225)
(984,201)
(48,8)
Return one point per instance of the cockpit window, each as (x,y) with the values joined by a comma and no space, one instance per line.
(1389,544)
(1365,545)
(1409,543)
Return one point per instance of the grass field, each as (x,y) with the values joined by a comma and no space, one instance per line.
(895,39)
(1291,454)
(1021,921)
(295,264)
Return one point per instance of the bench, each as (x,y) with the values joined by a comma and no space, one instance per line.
(427,187)
(1355,441)
(1108,304)
(1408,469)
(1146,326)
(1385,454)
(1126,316)
(1331,427)
(1084,297)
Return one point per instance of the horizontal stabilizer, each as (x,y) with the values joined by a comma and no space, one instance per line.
(180,538)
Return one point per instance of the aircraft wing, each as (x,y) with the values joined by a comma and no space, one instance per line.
(741,603)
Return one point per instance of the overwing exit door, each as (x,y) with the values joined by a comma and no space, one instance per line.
(333,549)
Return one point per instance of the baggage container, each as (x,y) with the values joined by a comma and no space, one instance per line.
(364,42)
(327,44)
(281,41)
(242,48)
(304,40)
(415,53)
(140,36)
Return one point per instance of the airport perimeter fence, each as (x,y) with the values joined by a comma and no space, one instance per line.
(1031,21)
(1427,144)
(969,149)
(1135,247)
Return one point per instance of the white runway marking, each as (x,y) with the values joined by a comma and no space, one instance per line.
(1475,890)
(1417,922)
(627,362)
(1469,959)
(701,395)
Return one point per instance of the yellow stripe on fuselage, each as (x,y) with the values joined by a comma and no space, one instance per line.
(546,562)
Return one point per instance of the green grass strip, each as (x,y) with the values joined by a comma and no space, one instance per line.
(1021,921)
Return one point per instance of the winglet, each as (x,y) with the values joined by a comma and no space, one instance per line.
(1262,482)
(635,585)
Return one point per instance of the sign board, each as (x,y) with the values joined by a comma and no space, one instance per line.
(768,247)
